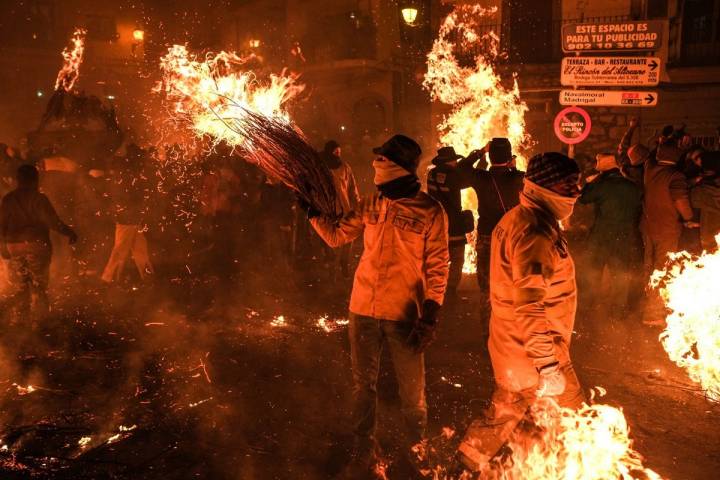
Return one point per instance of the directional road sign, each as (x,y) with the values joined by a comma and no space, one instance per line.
(612,36)
(608,98)
(610,71)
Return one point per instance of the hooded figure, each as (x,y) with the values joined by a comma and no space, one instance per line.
(398,289)
(533,298)
(26,218)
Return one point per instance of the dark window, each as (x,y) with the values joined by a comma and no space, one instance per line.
(101,28)
(27,23)
(700,32)
(657,8)
(698,21)
(339,37)
(527,30)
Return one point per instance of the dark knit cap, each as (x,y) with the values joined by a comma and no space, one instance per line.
(402,150)
(550,168)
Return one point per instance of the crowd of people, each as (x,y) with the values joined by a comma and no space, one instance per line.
(647,201)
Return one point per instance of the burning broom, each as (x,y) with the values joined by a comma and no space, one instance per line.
(230,105)
(283,153)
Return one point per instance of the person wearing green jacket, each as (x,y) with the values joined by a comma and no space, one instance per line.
(614,241)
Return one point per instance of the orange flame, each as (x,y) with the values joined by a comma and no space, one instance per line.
(591,443)
(214,92)
(481,107)
(72,59)
(692,333)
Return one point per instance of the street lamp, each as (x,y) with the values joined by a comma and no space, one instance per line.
(138,35)
(409,15)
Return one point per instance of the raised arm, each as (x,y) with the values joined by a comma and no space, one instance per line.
(626,139)
(345,230)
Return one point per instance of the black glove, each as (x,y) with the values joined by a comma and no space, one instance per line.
(305,205)
(424,330)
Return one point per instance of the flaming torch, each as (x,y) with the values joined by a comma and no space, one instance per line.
(72,59)
(692,333)
(481,107)
(220,99)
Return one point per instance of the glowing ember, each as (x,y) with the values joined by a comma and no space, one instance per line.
(591,443)
(481,107)
(380,470)
(214,92)
(84,441)
(72,58)
(329,326)
(278,321)
(450,382)
(691,337)
(200,402)
(24,390)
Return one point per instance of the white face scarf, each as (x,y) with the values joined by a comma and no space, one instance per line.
(560,206)
(387,171)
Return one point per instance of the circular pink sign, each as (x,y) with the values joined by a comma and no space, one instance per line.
(572,125)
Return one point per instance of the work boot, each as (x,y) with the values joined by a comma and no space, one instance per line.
(486,436)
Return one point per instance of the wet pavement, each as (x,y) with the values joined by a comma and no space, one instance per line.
(165,382)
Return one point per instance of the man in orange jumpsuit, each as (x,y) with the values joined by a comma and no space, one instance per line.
(398,289)
(533,296)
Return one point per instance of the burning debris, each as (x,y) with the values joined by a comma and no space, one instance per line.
(691,336)
(551,442)
(70,115)
(591,443)
(73,58)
